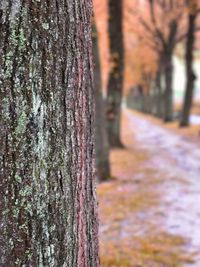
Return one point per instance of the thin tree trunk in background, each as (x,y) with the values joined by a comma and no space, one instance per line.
(102,146)
(143,107)
(146,102)
(159,96)
(189,70)
(48,209)
(159,89)
(167,63)
(168,92)
(115,83)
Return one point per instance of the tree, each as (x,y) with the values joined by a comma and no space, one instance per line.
(115,83)
(167,43)
(48,207)
(161,21)
(144,71)
(102,146)
(192,16)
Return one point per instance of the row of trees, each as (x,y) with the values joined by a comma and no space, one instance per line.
(48,211)
(162,25)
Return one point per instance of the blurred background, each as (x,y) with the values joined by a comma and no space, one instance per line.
(147,94)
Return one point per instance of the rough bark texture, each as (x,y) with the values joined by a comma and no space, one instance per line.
(48,207)
(102,146)
(115,83)
(189,70)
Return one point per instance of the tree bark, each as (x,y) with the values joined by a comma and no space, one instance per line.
(115,83)
(102,146)
(48,209)
(189,70)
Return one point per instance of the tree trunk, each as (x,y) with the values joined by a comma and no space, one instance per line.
(189,70)
(168,93)
(159,90)
(102,146)
(159,98)
(115,83)
(147,101)
(142,94)
(48,209)
(167,61)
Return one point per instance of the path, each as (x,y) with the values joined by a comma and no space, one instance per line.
(150,215)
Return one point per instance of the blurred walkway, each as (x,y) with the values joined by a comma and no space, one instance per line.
(150,214)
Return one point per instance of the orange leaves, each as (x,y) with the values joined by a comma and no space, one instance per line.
(193,6)
(156,250)
(144,66)
(144,33)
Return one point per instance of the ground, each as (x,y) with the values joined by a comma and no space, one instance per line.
(149,211)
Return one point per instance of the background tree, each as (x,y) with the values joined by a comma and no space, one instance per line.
(48,207)
(161,21)
(144,71)
(115,82)
(102,146)
(190,75)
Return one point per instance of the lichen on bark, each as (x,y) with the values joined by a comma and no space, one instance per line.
(48,210)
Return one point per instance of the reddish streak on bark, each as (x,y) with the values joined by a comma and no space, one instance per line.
(62,135)
(82,180)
